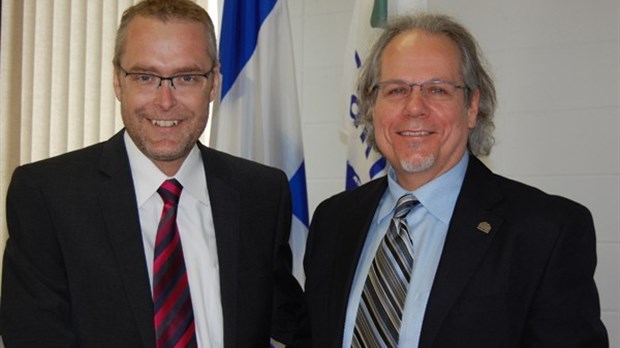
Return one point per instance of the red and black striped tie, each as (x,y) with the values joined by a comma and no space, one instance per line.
(174,317)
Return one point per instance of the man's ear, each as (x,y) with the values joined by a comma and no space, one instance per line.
(216,82)
(116,81)
(473,108)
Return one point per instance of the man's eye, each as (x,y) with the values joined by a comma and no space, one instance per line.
(396,90)
(146,78)
(436,90)
(187,78)
(143,78)
(191,79)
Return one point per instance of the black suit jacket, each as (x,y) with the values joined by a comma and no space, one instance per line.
(74,267)
(528,282)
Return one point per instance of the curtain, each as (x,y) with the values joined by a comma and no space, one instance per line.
(56,91)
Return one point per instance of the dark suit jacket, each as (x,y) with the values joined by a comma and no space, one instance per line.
(74,266)
(528,282)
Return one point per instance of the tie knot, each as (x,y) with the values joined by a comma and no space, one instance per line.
(404,205)
(170,191)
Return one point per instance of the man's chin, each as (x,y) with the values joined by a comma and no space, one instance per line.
(166,154)
(417,165)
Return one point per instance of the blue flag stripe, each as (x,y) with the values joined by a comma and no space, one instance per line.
(378,167)
(254,35)
(300,195)
(241,22)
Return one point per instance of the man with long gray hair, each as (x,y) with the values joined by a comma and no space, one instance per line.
(442,252)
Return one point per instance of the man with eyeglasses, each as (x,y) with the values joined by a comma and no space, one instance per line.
(151,239)
(442,252)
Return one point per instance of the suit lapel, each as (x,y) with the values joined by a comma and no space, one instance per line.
(470,233)
(225,208)
(120,214)
(351,235)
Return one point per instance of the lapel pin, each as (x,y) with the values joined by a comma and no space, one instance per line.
(484,227)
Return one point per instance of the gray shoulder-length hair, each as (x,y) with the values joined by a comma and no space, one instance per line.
(474,74)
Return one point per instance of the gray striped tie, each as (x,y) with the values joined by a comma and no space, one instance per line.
(381,308)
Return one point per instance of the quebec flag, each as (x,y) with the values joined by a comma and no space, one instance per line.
(369,16)
(258,116)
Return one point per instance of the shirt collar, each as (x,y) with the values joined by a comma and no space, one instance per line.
(438,196)
(192,176)
(147,178)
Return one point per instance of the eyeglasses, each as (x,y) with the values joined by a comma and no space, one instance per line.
(147,82)
(436,90)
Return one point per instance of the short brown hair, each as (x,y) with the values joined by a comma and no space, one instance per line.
(165,10)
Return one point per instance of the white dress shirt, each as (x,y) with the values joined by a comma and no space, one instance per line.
(428,223)
(196,230)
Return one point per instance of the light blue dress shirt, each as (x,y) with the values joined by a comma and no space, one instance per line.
(428,225)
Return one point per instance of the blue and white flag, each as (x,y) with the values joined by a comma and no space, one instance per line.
(369,16)
(258,116)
